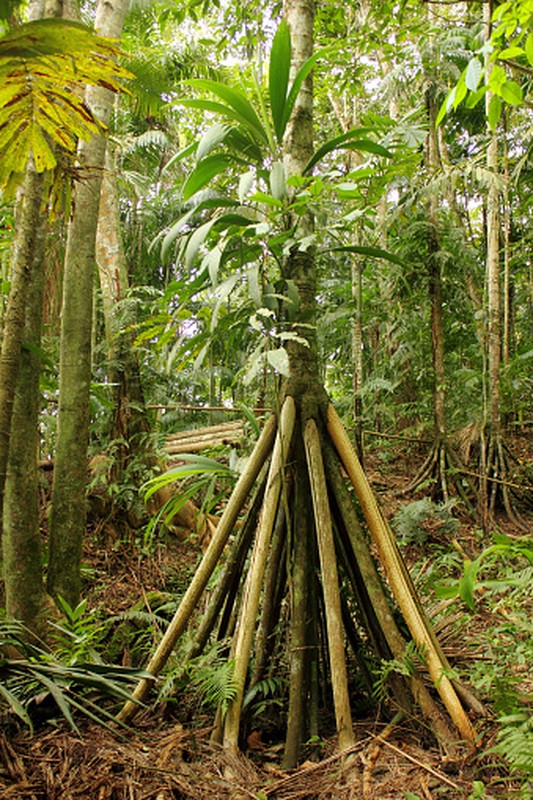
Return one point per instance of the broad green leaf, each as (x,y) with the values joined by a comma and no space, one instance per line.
(196,240)
(277,181)
(211,138)
(352,141)
(445,107)
(529,48)
(204,172)
(474,97)
(468,582)
(460,92)
(267,199)
(497,78)
(495,111)
(236,101)
(279,359)
(245,184)
(500,10)
(373,252)
(278,79)
(512,93)
(473,73)
(511,52)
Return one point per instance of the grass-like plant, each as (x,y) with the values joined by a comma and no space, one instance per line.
(32,679)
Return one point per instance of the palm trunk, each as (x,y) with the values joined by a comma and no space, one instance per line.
(25,596)
(26,236)
(70,473)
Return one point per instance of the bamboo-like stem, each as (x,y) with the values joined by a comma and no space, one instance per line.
(207,565)
(275,575)
(298,602)
(376,600)
(252,591)
(399,579)
(231,574)
(330,581)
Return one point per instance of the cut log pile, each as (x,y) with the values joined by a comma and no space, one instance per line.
(194,441)
(189,519)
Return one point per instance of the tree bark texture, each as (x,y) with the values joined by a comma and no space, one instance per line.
(130,416)
(24,587)
(26,235)
(70,474)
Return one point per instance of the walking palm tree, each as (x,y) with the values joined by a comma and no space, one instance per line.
(303,508)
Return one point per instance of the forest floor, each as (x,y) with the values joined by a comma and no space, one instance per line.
(167,753)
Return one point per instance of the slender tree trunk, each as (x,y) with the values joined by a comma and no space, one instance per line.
(70,473)
(25,595)
(493,289)
(130,422)
(19,387)
(26,234)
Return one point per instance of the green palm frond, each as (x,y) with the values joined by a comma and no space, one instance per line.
(44,67)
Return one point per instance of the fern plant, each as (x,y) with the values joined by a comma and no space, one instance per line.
(413,521)
(208,678)
(515,741)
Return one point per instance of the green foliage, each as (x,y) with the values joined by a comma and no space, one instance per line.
(503,549)
(407,665)
(497,584)
(35,679)
(44,67)
(511,44)
(515,741)
(204,472)
(265,694)
(208,678)
(416,521)
(75,639)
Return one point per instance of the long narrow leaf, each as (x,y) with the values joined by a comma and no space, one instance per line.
(301,75)
(62,703)
(186,151)
(15,705)
(351,140)
(236,101)
(204,172)
(211,138)
(373,252)
(278,78)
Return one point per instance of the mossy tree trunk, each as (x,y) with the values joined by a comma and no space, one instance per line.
(70,472)
(19,394)
(25,596)
(26,234)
